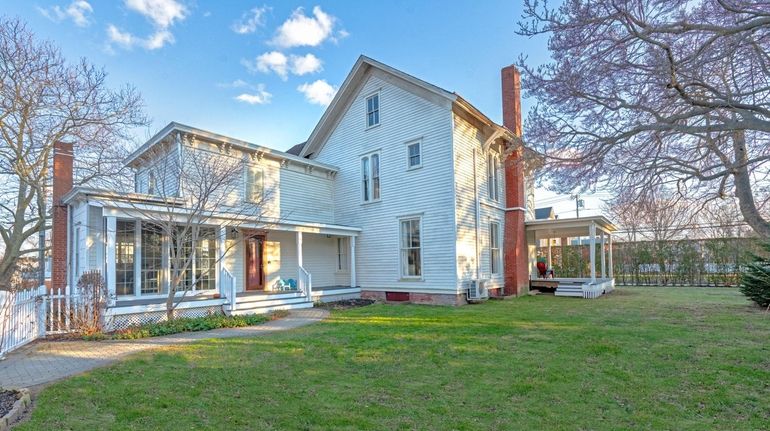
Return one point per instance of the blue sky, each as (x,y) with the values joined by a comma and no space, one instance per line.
(263,72)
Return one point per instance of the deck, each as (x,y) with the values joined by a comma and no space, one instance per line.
(575,287)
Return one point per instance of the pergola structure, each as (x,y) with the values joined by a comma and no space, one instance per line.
(599,230)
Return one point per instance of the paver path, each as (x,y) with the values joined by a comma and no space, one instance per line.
(46,361)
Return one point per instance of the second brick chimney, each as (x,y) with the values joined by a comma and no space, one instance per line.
(515,250)
(62,183)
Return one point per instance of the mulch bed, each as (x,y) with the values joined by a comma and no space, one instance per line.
(7,398)
(346,304)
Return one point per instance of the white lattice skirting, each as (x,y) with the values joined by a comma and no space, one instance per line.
(116,323)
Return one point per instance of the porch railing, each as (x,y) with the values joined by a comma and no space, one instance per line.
(227,287)
(305,283)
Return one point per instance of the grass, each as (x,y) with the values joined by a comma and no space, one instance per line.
(640,358)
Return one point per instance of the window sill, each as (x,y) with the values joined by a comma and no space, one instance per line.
(410,279)
(371,202)
(374,126)
(414,168)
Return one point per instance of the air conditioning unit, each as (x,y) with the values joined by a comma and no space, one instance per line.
(476,290)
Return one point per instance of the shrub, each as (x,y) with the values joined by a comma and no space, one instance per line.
(755,279)
(190,324)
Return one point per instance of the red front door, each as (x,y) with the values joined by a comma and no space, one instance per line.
(254,267)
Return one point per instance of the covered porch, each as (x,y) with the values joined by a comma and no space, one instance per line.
(583,279)
(235,265)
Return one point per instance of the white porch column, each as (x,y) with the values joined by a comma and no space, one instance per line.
(352,261)
(550,263)
(112,226)
(137,257)
(221,237)
(592,251)
(299,255)
(609,237)
(604,261)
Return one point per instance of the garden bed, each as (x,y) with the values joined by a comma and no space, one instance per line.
(12,405)
(345,304)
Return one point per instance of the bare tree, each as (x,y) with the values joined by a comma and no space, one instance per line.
(201,190)
(645,93)
(44,99)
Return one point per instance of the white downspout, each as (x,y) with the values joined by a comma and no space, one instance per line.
(477,215)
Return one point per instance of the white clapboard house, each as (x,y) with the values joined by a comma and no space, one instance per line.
(403,191)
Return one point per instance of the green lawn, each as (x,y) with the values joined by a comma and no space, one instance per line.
(640,358)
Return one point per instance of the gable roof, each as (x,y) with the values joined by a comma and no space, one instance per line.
(544,213)
(133,159)
(296,149)
(348,91)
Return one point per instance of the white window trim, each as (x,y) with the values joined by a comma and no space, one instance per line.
(368,156)
(493,184)
(152,183)
(418,142)
(246,189)
(401,274)
(345,244)
(366,110)
(499,248)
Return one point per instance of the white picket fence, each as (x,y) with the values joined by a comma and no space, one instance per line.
(20,318)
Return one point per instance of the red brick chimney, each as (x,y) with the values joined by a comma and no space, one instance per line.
(62,183)
(516,259)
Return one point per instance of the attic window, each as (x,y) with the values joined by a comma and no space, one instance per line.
(373,110)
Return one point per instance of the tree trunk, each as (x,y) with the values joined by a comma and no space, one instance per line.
(743,189)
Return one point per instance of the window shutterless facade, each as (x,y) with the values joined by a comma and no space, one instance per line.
(125,249)
(342,255)
(152,260)
(493,178)
(410,234)
(494,247)
(414,155)
(370,177)
(254,184)
(373,110)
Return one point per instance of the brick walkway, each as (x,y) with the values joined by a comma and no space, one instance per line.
(47,361)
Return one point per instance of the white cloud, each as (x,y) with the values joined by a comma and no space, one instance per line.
(121,38)
(127,40)
(273,61)
(161,13)
(303,30)
(259,97)
(301,65)
(78,11)
(250,21)
(319,92)
(238,83)
(282,65)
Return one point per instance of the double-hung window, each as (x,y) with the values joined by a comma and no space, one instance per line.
(370,177)
(342,255)
(373,110)
(151,184)
(493,178)
(254,184)
(414,155)
(494,247)
(411,247)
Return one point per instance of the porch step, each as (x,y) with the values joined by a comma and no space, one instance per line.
(575,290)
(261,308)
(269,302)
(261,298)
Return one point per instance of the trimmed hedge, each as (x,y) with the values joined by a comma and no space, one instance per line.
(184,324)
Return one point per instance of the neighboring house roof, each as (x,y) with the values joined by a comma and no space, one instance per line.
(173,127)
(296,149)
(349,89)
(544,213)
